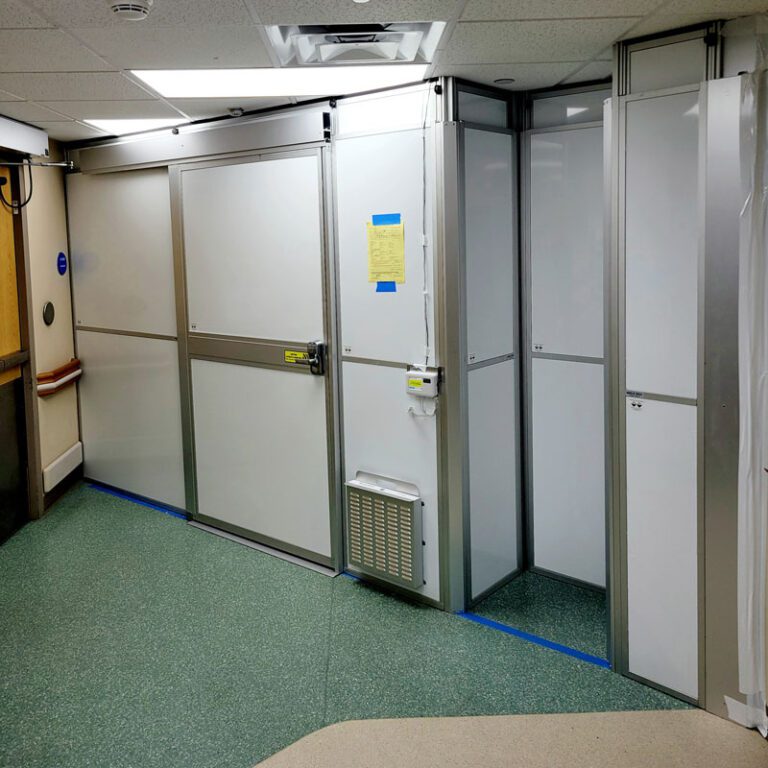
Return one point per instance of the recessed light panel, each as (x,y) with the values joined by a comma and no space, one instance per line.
(254,83)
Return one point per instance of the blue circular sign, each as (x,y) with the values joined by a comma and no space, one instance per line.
(61,263)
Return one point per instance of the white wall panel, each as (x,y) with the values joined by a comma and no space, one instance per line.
(382,438)
(122,256)
(261,451)
(662,244)
(395,110)
(566,241)
(131,415)
(667,66)
(490,244)
(376,175)
(662,544)
(493,474)
(247,270)
(569,469)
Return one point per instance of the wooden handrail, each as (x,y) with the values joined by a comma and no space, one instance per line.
(46,377)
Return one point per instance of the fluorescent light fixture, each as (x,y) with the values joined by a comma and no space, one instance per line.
(294,81)
(137,125)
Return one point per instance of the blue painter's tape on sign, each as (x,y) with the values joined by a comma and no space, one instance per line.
(383,219)
(386,286)
(61,263)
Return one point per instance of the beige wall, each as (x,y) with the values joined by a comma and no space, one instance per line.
(46,236)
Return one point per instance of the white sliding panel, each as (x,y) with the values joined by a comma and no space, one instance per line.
(662,244)
(662,543)
(569,469)
(260,437)
(381,174)
(566,241)
(382,438)
(246,250)
(493,474)
(490,244)
(122,256)
(131,415)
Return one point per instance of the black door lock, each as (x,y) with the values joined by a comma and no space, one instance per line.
(317,353)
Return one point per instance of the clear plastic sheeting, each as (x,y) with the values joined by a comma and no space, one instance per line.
(753,393)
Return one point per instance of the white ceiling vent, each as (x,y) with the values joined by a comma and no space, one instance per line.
(412,42)
(133,10)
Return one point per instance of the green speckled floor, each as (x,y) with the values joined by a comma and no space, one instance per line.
(130,639)
(552,609)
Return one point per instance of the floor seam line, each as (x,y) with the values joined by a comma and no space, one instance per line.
(328,654)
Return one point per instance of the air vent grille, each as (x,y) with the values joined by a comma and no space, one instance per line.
(384,534)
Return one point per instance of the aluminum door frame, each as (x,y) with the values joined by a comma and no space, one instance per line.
(260,352)
(616,371)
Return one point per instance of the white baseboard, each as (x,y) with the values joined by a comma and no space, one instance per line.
(59,468)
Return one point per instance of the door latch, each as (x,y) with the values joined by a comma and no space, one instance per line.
(317,353)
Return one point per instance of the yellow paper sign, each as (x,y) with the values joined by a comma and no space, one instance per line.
(386,253)
(293,356)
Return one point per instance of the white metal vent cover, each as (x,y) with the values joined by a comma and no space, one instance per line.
(384,533)
(318,44)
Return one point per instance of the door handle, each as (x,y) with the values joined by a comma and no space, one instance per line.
(317,354)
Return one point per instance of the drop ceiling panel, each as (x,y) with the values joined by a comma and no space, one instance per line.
(532,41)
(71,86)
(96,13)
(200,109)
(137,47)
(665,22)
(15,14)
(594,70)
(720,8)
(69,131)
(44,50)
(555,9)
(5,96)
(27,112)
(347,12)
(111,110)
(526,75)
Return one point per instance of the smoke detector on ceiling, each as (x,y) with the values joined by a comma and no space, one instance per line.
(130,10)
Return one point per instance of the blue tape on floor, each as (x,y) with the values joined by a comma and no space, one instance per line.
(137,500)
(596,660)
(384,219)
(350,575)
(386,286)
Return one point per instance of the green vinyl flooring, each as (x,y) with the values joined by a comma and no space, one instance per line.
(552,609)
(130,639)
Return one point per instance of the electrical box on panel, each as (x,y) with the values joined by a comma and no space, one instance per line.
(384,533)
(422,383)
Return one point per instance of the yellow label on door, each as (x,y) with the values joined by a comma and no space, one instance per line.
(294,356)
(415,383)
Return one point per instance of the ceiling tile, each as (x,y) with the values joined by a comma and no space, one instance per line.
(44,50)
(71,86)
(109,110)
(96,13)
(665,22)
(532,41)
(526,75)
(5,96)
(555,9)
(200,109)
(347,12)
(18,15)
(594,70)
(26,111)
(69,130)
(177,47)
(723,9)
